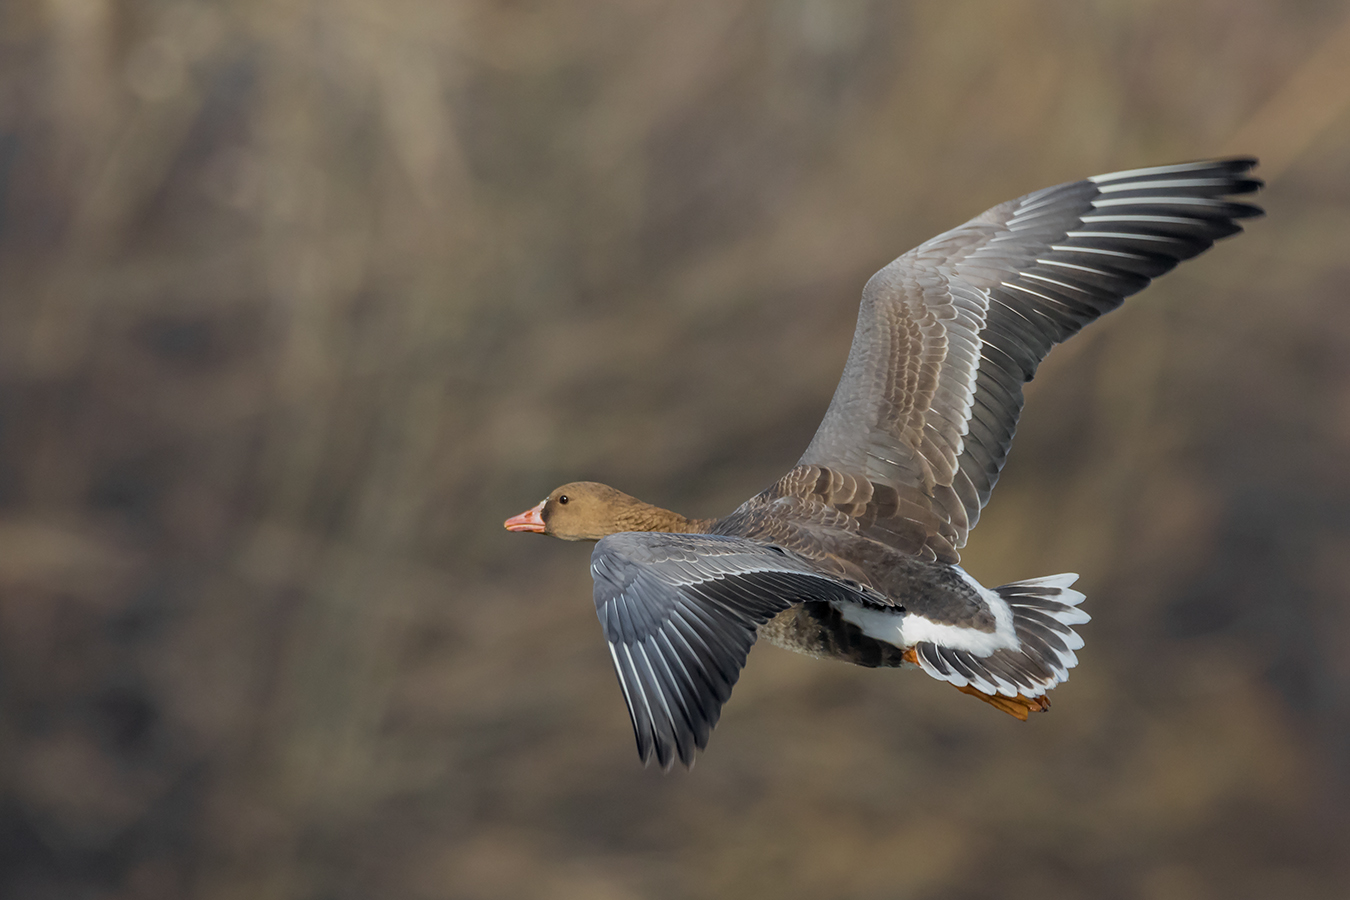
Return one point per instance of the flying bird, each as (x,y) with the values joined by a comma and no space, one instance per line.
(853,554)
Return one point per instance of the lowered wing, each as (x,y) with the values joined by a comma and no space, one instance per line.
(680,612)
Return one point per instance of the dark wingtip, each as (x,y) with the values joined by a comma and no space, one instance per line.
(1248,185)
(1241,165)
(1233,165)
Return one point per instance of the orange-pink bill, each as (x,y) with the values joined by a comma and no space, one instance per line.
(529,520)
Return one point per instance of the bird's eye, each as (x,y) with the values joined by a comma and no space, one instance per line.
(562,498)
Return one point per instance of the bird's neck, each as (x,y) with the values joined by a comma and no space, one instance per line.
(646,517)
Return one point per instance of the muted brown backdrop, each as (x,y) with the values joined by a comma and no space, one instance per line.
(301,299)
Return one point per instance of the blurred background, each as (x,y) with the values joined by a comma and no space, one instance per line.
(300,300)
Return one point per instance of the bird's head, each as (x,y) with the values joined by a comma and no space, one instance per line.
(582,511)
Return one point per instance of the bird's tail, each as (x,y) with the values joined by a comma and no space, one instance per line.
(1016,679)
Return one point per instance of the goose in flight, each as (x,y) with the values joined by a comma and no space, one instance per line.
(853,554)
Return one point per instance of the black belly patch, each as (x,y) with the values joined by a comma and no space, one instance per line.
(818,629)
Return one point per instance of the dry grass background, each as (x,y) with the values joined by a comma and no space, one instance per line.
(301,299)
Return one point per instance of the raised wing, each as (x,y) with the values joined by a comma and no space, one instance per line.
(921,422)
(680,612)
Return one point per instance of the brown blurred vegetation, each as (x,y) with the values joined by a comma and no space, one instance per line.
(301,299)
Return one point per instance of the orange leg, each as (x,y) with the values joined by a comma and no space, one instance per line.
(1018,706)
